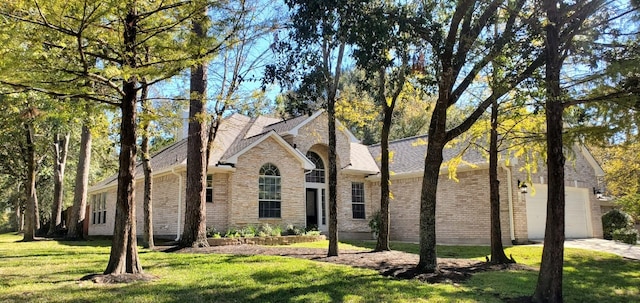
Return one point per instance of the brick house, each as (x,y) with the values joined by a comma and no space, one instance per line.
(266,170)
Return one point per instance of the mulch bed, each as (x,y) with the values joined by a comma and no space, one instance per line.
(395,264)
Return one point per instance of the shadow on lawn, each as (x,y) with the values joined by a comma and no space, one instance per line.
(444,251)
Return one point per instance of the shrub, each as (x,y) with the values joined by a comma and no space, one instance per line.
(613,220)
(232,233)
(266,230)
(293,230)
(375,222)
(276,231)
(312,233)
(626,235)
(211,232)
(248,231)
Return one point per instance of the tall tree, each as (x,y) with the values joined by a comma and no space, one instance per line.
(114,35)
(314,56)
(549,286)
(60,151)
(194,232)
(461,52)
(75,230)
(147,238)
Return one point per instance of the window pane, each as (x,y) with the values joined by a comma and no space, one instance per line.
(316,175)
(357,200)
(358,211)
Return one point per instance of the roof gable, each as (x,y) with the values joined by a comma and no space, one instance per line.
(250,143)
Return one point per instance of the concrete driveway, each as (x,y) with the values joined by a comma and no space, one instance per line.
(625,250)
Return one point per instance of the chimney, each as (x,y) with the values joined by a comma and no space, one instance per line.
(182,129)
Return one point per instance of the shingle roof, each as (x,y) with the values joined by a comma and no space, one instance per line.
(361,159)
(407,155)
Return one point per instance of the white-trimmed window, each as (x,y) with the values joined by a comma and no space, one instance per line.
(316,175)
(269,196)
(357,200)
(99,208)
(209,189)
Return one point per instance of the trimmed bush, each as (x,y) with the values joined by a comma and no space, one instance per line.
(613,220)
(626,235)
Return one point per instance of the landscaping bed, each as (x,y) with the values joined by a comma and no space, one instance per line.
(270,240)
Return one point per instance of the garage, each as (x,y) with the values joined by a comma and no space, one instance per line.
(577,223)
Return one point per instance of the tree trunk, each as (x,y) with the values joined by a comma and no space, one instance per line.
(332,89)
(497,251)
(36,207)
(124,247)
(75,231)
(30,211)
(195,225)
(148,180)
(383,234)
(333,180)
(19,214)
(433,160)
(60,149)
(549,286)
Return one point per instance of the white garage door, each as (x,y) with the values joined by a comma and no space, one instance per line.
(577,223)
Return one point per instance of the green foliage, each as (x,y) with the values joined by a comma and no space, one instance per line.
(614,220)
(630,204)
(627,235)
(292,230)
(375,222)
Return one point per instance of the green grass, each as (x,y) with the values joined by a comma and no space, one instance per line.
(48,271)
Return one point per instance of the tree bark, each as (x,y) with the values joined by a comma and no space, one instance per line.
(383,234)
(433,160)
(124,247)
(195,225)
(332,88)
(32,198)
(549,286)
(75,231)
(60,149)
(497,251)
(148,179)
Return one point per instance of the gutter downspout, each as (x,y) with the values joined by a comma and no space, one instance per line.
(173,171)
(510,192)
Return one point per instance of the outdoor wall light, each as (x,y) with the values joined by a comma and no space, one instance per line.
(598,194)
(522,186)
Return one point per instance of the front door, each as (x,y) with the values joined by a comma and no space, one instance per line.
(312,208)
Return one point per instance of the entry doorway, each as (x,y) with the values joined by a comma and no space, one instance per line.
(312,207)
(316,208)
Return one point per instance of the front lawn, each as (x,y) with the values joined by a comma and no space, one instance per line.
(48,271)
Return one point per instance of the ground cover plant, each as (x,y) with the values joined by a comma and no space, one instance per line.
(49,271)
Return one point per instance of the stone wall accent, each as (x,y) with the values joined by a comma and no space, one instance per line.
(284,240)
(244,181)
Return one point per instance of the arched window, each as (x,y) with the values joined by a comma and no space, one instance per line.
(269,196)
(316,175)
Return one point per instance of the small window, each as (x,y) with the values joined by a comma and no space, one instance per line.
(357,200)
(269,195)
(209,189)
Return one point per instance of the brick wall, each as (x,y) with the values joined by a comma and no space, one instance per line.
(218,211)
(462,210)
(244,192)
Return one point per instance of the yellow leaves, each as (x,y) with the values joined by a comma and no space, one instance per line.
(418,142)
(111,72)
